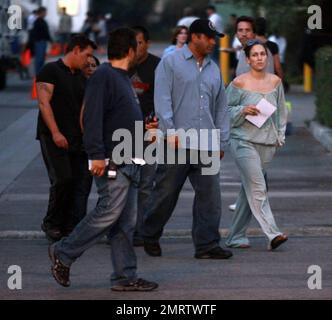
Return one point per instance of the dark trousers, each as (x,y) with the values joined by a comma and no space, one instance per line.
(70,185)
(169,180)
(148,172)
(40,48)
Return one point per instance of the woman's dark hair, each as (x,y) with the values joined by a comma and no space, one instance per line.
(246,19)
(176,32)
(250,44)
(120,41)
(96,60)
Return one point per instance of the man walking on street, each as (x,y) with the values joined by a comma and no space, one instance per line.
(189,94)
(40,35)
(109,105)
(142,79)
(60,88)
(64,30)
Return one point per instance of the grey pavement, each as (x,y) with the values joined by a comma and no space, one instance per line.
(300,193)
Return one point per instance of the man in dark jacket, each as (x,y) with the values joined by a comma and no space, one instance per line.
(40,36)
(110,105)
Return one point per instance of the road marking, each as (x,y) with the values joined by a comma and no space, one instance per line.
(183,194)
(183,233)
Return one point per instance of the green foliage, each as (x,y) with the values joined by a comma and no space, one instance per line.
(324,85)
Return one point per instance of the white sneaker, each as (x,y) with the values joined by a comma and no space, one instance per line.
(232,207)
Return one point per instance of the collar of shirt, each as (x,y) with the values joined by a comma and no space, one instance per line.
(121,71)
(62,65)
(187,53)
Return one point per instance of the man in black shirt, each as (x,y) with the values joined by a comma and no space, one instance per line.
(60,88)
(110,104)
(142,79)
(40,35)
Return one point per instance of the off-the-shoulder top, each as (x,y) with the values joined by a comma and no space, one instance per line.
(273,129)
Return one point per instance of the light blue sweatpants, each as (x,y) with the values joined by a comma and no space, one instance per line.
(251,160)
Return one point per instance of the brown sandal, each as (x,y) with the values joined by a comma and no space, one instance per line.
(278,240)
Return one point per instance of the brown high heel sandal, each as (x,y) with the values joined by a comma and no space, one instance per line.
(278,240)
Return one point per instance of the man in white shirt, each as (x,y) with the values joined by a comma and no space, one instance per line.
(31,19)
(216,19)
(282,44)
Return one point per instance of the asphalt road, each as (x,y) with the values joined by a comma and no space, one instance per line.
(300,193)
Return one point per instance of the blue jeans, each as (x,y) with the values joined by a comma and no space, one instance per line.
(114,214)
(40,54)
(206,209)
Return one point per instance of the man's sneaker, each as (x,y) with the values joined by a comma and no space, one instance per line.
(136,285)
(52,234)
(232,207)
(153,249)
(59,271)
(215,253)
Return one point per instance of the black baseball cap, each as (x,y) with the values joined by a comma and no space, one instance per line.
(206,27)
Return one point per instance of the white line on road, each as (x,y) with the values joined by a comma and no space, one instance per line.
(184,233)
(184,194)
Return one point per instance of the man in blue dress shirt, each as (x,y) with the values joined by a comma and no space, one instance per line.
(190,96)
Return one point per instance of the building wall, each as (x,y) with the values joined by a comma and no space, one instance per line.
(53,15)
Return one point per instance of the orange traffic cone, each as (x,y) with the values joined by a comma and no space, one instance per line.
(55,50)
(34,89)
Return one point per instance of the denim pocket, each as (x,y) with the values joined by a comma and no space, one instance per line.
(132,172)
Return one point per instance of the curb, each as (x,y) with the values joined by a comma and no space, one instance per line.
(322,134)
(182,233)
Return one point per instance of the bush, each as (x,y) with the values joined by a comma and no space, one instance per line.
(324,85)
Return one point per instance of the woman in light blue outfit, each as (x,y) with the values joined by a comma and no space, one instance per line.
(252,147)
(179,39)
